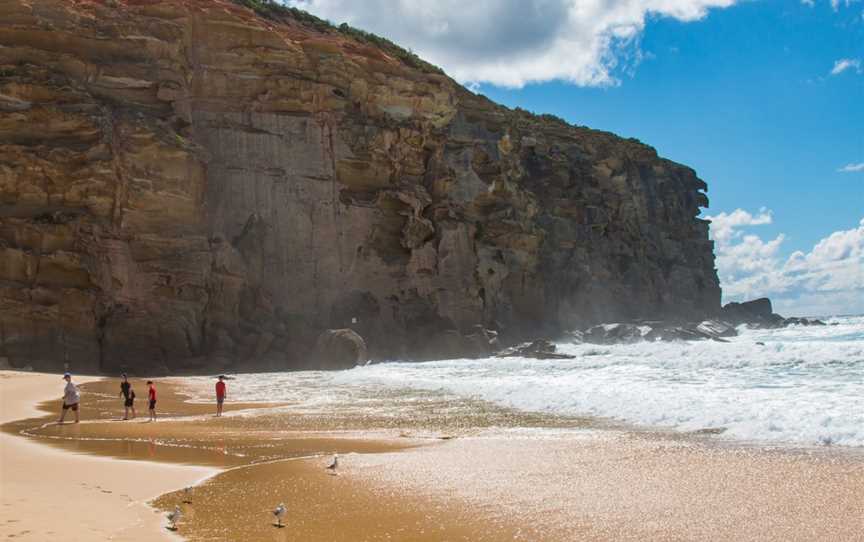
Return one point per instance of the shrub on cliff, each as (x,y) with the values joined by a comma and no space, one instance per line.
(273,10)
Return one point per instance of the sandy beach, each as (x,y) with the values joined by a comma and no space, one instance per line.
(488,474)
(47,493)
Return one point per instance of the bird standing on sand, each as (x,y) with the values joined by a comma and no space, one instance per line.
(279,512)
(174,517)
(334,465)
(187,494)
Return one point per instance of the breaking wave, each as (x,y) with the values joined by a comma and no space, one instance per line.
(798,385)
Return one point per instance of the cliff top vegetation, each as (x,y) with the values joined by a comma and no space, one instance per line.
(276,11)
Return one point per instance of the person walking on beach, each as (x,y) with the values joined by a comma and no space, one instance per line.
(128,397)
(151,396)
(71,398)
(221,392)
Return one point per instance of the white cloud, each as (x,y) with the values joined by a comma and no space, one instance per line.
(835,4)
(852,168)
(516,42)
(844,64)
(724,226)
(827,279)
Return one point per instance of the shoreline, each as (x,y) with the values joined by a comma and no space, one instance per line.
(495,476)
(302,453)
(88,497)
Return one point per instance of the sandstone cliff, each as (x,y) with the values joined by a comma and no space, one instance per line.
(189,184)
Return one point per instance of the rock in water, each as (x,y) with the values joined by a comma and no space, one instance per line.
(759,314)
(218,185)
(715,328)
(804,321)
(614,333)
(539,349)
(748,311)
(670,332)
(340,349)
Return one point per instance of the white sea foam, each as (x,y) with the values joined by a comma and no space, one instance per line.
(802,386)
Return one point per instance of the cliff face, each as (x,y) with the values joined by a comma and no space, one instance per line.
(189,184)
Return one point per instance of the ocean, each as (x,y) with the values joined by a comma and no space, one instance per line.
(802,386)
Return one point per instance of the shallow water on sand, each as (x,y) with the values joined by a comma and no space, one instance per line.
(271,455)
(250,432)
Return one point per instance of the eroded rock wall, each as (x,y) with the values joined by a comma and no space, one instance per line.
(189,185)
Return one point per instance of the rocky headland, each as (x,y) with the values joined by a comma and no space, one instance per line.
(213,184)
(755,314)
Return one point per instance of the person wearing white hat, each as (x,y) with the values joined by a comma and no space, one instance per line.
(71,398)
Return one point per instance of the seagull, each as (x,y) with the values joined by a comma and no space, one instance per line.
(187,494)
(334,465)
(279,512)
(174,517)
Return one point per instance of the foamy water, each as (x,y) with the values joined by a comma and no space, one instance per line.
(802,387)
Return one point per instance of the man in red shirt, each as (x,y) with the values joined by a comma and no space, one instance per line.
(221,391)
(151,394)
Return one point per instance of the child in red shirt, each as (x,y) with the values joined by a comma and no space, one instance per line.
(221,391)
(151,394)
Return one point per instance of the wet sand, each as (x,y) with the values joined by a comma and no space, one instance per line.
(607,486)
(463,471)
(266,459)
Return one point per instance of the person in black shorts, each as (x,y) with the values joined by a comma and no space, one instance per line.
(128,397)
(71,398)
(151,395)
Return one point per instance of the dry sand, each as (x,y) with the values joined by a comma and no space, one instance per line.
(49,494)
(497,480)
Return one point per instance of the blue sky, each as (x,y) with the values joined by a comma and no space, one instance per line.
(743,92)
(744,97)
